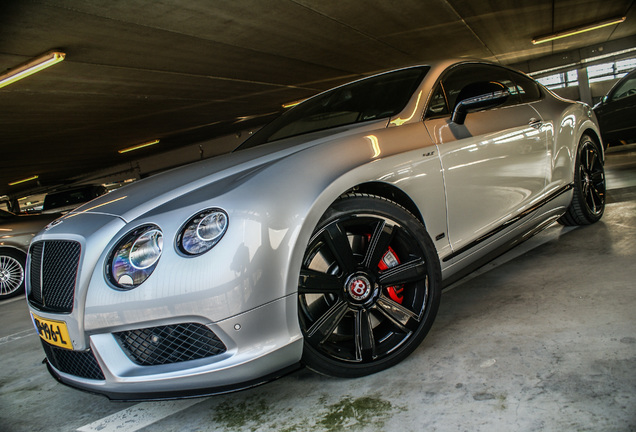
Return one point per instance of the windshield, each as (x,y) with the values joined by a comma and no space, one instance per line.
(368,99)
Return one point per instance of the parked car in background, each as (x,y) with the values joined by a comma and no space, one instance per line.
(616,112)
(323,240)
(16,232)
(67,199)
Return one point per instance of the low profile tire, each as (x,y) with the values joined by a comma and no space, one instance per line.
(369,287)
(11,273)
(588,201)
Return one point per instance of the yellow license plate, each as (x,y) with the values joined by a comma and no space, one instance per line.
(54,332)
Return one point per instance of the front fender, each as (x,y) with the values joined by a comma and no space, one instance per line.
(403,157)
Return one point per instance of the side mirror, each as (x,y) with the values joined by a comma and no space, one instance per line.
(478,96)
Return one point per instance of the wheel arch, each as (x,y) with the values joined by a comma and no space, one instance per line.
(596,138)
(325,199)
(12,248)
(390,192)
(568,140)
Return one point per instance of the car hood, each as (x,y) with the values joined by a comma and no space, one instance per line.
(229,171)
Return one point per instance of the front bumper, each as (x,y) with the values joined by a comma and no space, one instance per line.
(261,345)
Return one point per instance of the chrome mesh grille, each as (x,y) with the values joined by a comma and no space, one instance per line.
(53,273)
(170,344)
(78,363)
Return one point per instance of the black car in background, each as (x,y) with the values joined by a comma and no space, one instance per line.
(65,200)
(616,112)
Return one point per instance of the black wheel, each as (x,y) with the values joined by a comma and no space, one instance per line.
(369,287)
(11,273)
(588,201)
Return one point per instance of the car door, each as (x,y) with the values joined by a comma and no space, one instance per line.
(495,164)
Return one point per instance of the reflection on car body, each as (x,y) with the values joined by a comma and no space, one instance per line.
(324,240)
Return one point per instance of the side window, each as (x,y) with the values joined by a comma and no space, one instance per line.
(528,89)
(628,88)
(463,75)
(437,105)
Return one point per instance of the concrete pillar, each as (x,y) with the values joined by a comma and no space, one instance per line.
(585,94)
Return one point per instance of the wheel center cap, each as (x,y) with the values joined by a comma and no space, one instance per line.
(359,288)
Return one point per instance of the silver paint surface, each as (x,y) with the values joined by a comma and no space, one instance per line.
(465,181)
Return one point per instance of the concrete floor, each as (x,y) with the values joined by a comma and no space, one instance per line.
(542,339)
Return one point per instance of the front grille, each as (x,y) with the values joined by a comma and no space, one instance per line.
(170,344)
(79,363)
(54,266)
(36,265)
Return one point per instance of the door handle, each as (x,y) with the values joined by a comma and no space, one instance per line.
(534,123)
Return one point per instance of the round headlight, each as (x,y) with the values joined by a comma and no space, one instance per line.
(135,257)
(146,249)
(202,232)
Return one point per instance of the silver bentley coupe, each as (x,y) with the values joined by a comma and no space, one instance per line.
(324,240)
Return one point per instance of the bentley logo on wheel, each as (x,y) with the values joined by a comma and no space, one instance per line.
(359,288)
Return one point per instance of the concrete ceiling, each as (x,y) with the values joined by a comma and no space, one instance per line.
(188,70)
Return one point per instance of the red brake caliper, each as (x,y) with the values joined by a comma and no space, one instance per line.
(390,259)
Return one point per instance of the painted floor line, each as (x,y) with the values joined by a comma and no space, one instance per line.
(13,300)
(16,336)
(139,416)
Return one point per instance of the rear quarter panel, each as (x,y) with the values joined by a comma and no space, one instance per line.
(566,121)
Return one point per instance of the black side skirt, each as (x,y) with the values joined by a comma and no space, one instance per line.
(509,223)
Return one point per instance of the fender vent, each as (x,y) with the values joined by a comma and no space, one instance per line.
(79,363)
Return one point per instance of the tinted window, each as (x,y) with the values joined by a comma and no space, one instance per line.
(528,88)
(445,94)
(627,88)
(463,75)
(437,105)
(72,197)
(369,99)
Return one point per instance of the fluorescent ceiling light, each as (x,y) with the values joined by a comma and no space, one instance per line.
(604,56)
(23,180)
(31,67)
(147,144)
(577,30)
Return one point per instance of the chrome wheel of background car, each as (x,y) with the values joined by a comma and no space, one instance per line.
(11,274)
(369,287)
(588,201)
